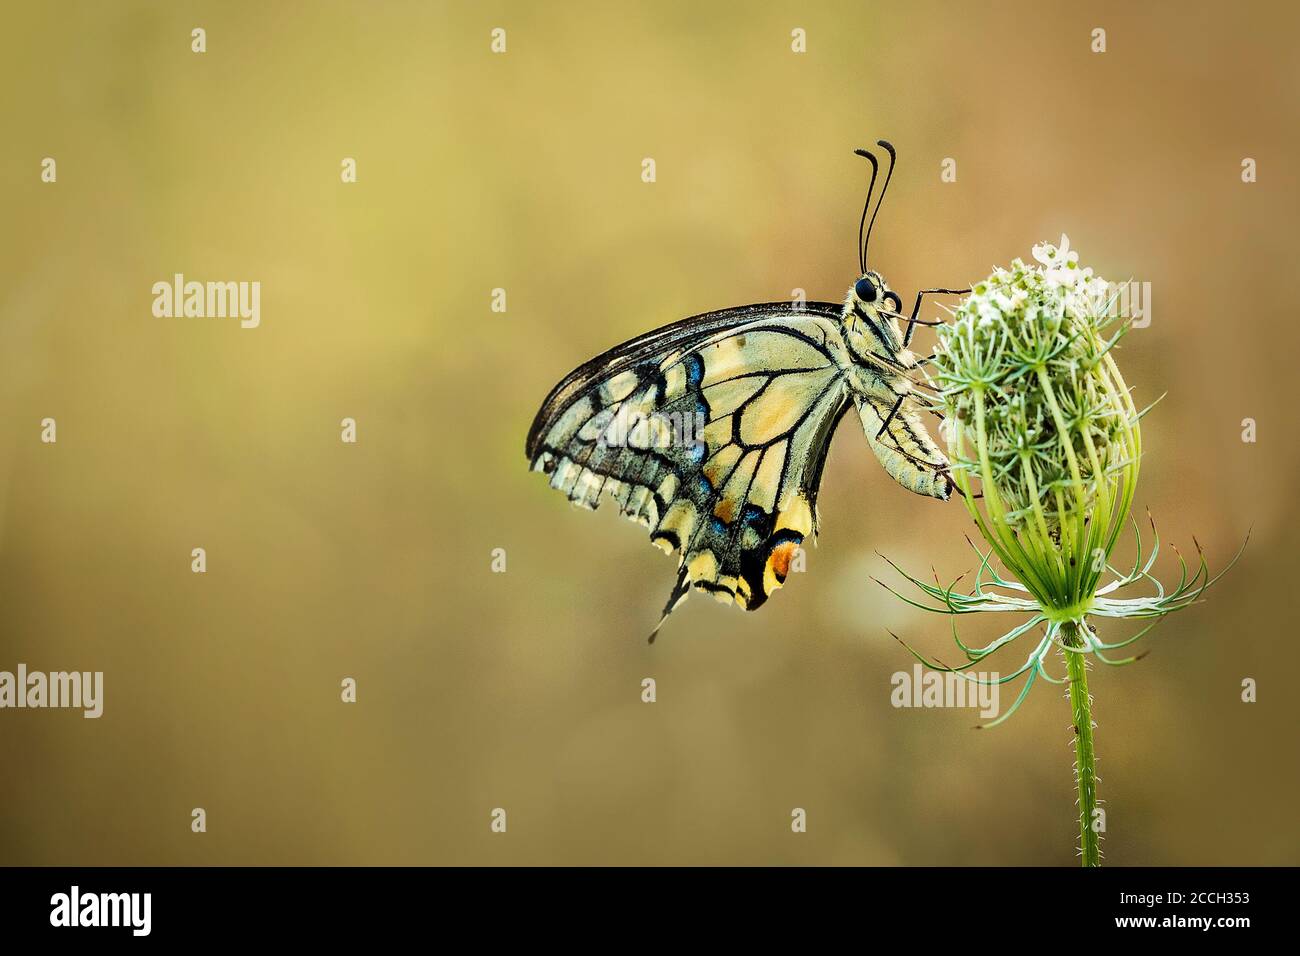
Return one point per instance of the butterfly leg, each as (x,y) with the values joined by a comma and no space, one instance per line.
(916,310)
(890,417)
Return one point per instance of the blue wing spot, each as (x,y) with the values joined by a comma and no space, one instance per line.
(758,519)
(694,370)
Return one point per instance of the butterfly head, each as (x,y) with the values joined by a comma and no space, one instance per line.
(871,314)
(872,291)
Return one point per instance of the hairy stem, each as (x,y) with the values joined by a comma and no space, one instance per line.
(1085,759)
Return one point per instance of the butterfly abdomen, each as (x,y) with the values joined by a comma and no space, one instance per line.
(905,448)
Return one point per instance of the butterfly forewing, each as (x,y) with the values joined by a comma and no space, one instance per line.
(712,433)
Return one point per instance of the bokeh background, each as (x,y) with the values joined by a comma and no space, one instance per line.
(522,690)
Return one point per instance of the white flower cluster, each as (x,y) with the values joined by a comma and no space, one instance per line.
(1025,388)
(1042,293)
(1061,271)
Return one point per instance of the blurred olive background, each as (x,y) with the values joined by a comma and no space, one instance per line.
(522,171)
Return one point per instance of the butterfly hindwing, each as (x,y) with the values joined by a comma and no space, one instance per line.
(712,433)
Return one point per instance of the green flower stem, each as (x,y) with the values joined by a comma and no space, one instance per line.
(1085,758)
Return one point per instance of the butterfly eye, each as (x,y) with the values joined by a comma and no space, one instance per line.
(865,290)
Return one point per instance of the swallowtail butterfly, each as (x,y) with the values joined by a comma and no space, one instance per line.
(712,432)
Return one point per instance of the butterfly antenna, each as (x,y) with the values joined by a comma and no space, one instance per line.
(875,168)
(893,158)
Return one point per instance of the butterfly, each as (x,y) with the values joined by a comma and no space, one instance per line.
(713,432)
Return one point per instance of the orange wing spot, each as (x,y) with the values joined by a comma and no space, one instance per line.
(779,562)
(725,510)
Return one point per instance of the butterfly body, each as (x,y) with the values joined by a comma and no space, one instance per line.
(713,432)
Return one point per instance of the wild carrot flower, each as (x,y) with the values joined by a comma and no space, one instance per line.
(1046,445)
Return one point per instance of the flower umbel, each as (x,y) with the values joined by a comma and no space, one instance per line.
(1038,418)
(1046,443)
